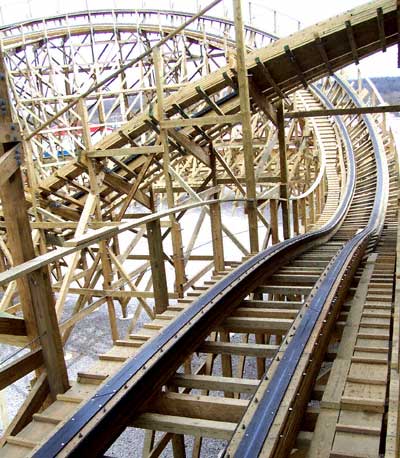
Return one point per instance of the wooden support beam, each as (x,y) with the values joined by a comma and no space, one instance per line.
(352,41)
(209,101)
(262,67)
(215,383)
(184,425)
(292,58)
(157,266)
(381,28)
(216,222)
(283,171)
(246,127)
(234,348)
(190,146)
(343,111)
(20,367)
(32,404)
(322,51)
(209,120)
(124,151)
(96,180)
(10,163)
(35,291)
(12,325)
(178,256)
(204,407)
(262,102)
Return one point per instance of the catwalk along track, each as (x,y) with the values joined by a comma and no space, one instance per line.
(311,316)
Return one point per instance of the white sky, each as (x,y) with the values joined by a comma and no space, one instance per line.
(307,11)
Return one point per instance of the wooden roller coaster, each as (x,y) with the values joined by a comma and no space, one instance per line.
(114,166)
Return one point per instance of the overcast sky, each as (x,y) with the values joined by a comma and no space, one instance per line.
(307,11)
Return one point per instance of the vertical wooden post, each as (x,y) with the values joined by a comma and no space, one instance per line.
(246,126)
(216,223)
(157,266)
(36,295)
(175,227)
(303,206)
(311,200)
(283,170)
(273,209)
(295,207)
(94,191)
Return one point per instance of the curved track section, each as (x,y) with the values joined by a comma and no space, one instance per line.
(217,309)
(259,438)
(282,303)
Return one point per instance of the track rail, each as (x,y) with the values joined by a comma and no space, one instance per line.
(97,423)
(327,301)
(143,376)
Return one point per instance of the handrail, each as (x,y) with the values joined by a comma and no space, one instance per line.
(96,236)
(150,368)
(267,407)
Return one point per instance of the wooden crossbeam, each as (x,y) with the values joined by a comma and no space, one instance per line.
(202,407)
(125,151)
(185,425)
(190,146)
(292,58)
(343,111)
(352,41)
(9,163)
(209,120)
(12,325)
(322,51)
(20,367)
(381,28)
(215,383)
(262,102)
(234,348)
(209,101)
(262,67)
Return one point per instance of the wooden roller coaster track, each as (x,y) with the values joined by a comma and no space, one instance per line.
(292,350)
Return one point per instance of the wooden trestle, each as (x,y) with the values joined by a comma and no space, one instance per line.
(290,347)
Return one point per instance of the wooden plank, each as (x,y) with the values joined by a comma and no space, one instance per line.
(343,111)
(12,325)
(33,402)
(35,291)
(215,383)
(157,264)
(234,348)
(198,406)
(125,151)
(190,146)
(247,134)
(20,367)
(10,163)
(268,325)
(183,425)
(209,120)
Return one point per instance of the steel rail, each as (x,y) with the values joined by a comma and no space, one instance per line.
(113,13)
(347,260)
(107,413)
